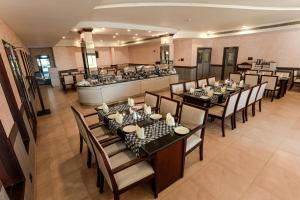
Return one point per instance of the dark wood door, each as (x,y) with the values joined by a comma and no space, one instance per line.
(203,62)
(230,56)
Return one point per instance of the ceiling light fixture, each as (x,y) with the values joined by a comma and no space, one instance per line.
(75,30)
(245,27)
(114,36)
(136,34)
(149,31)
(128,30)
(117,33)
(63,37)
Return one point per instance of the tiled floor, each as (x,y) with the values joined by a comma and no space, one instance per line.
(260,160)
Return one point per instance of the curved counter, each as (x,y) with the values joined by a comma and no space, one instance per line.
(96,95)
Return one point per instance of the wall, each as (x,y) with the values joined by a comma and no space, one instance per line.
(282,47)
(67,57)
(147,53)
(183,50)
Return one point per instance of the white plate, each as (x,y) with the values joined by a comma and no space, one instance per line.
(100,107)
(137,107)
(155,116)
(129,129)
(181,130)
(204,97)
(230,89)
(217,93)
(112,116)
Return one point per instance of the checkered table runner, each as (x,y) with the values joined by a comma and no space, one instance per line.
(113,109)
(128,119)
(152,132)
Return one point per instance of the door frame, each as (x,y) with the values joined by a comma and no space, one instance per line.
(223,62)
(203,48)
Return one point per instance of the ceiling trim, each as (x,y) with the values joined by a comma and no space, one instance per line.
(191,4)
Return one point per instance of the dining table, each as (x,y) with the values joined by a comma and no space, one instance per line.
(161,142)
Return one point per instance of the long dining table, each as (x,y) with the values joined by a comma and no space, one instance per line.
(166,147)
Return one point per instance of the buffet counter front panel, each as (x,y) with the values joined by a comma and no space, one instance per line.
(96,95)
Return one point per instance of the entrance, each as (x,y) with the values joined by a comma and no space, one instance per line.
(203,62)
(230,55)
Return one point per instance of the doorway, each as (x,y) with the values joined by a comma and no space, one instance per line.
(230,55)
(203,62)
(43,62)
(164,54)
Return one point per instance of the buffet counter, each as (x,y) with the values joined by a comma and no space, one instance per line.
(96,95)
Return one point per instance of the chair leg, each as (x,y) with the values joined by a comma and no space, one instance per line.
(253,109)
(98,177)
(223,127)
(116,196)
(89,159)
(292,85)
(246,113)
(259,104)
(243,114)
(154,188)
(80,143)
(201,151)
(273,94)
(232,121)
(101,189)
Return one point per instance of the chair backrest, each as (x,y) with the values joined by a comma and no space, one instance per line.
(68,79)
(83,127)
(266,72)
(272,81)
(242,103)
(261,91)
(231,104)
(79,77)
(202,82)
(266,67)
(189,84)
(151,99)
(283,74)
(251,72)
(235,77)
(253,94)
(103,162)
(111,72)
(177,88)
(251,79)
(193,116)
(168,105)
(211,80)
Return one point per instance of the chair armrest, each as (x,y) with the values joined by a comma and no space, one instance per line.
(96,125)
(91,114)
(216,104)
(198,128)
(103,141)
(105,144)
(130,163)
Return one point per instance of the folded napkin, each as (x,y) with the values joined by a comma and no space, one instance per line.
(210,93)
(147,109)
(192,90)
(216,83)
(134,116)
(170,121)
(140,132)
(241,83)
(223,89)
(105,108)
(131,111)
(130,102)
(233,85)
(226,81)
(119,118)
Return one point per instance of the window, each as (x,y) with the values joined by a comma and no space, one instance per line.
(92,60)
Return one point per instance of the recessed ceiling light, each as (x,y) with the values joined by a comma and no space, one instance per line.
(63,37)
(101,40)
(133,37)
(136,34)
(114,36)
(128,30)
(245,27)
(117,33)
(75,30)
(149,31)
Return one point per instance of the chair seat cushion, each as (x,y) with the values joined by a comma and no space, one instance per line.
(216,111)
(121,158)
(192,141)
(297,80)
(98,132)
(114,148)
(133,174)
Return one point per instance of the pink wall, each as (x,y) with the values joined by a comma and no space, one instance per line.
(282,47)
(147,53)
(183,50)
(67,57)
(121,55)
(104,56)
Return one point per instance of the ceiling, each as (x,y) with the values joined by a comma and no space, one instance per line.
(43,23)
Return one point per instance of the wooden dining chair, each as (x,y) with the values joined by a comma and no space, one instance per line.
(68,80)
(176,90)
(284,74)
(223,112)
(251,79)
(266,72)
(252,71)
(295,79)
(235,77)
(113,143)
(251,101)
(211,80)
(168,105)
(260,94)
(242,104)
(190,84)
(201,82)
(124,177)
(79,77)
(194,118)
(271,86)
(152,100)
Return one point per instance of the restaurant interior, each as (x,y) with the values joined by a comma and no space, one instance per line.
(139,99)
